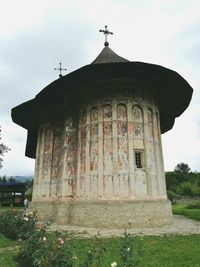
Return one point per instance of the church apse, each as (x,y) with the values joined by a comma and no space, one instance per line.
(95,135)
(108,154)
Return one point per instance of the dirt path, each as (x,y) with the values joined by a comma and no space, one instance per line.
(180,226)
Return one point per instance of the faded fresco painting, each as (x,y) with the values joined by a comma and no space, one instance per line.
(138,126)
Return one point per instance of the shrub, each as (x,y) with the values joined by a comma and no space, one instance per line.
(185,189)
(43,250)
(56,250)
(196,189)
(18,225)
(182,182)
(195,205)
(172,195)
(50,249)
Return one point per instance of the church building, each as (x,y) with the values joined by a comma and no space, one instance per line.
(95,134)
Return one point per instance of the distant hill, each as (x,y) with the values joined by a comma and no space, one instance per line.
(22,179)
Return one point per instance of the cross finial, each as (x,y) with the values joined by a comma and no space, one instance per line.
(60,69)
(106,32)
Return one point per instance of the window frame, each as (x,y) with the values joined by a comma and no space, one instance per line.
(139,159)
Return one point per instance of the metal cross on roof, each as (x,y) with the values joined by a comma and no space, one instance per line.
(60,69)
(106,32)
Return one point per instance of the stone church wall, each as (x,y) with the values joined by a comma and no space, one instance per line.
(110,135)
(113,151)
(104,169)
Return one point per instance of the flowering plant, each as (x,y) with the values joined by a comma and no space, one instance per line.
(17,224)
(130,251)
(45,249)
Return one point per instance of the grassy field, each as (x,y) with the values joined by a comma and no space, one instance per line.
(166,251)
(3,209)
(8,249)
(181,209)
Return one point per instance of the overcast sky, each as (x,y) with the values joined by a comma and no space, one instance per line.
(36,35)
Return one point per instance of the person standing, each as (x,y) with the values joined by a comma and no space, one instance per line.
(25,203)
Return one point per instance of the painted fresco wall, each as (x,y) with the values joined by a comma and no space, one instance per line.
(42,177)
(68,174)
(55,167)
(95,157)
(110,134)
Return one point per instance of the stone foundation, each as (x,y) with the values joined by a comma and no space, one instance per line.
(106,214)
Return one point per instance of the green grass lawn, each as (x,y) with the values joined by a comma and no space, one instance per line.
(166,251)
(8,249)
(3,209)
(181,209)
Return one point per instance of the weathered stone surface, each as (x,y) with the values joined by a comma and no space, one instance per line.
(120,214)
(180,226)
(106,214)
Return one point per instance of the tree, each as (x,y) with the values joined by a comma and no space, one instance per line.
(3,149)
(182,167)
(29,188)
(11,179)
(4,180)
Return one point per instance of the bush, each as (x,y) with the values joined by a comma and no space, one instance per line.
(195,205)
(183,182)
(53,250)
(172,195)
(42,249)
(196,189)
(56,250)
(185,189)
(17,225)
